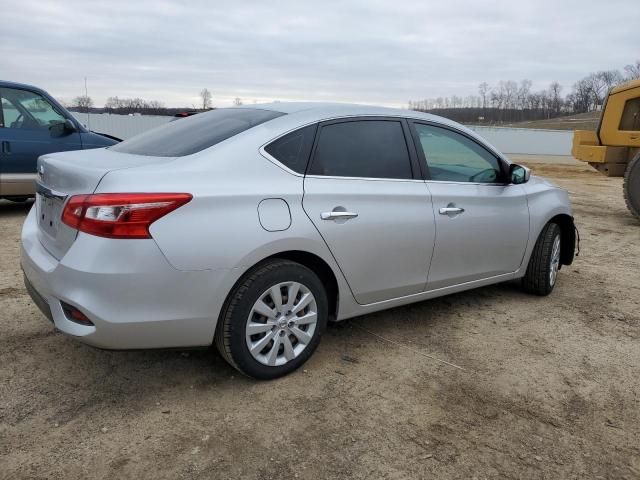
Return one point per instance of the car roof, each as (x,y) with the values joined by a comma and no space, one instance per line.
(7,84)
(327,110)
(301,113)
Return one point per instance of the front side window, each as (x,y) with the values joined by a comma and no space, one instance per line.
(452,157)
(195,133)
(27,110)
(364,148)
(293,149)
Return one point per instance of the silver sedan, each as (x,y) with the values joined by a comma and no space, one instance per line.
(252,227)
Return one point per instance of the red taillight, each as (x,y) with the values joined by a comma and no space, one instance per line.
(120,215)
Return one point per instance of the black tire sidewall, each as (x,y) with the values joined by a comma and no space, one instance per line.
(554,232)
(631,186)
(250,292)
(537,279)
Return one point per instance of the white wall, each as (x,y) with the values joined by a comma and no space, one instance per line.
(507,140)
(527,140)
(121,126)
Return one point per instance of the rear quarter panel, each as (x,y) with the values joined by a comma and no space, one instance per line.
(220,228)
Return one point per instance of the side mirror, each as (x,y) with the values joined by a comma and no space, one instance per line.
(519,174)
(69,126)
(60,129)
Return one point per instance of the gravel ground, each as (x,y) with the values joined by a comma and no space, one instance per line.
(548,387)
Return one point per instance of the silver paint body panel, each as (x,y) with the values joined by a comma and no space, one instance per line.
(168,291)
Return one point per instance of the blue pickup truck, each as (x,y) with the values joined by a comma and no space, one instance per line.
(32,123)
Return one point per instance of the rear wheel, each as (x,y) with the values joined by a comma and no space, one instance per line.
(544,264)
(631,186)
(273,319)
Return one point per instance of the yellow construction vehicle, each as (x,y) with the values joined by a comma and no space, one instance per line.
(614,148)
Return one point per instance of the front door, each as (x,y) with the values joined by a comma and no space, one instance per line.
(31,127)
(374,214)
(482,222)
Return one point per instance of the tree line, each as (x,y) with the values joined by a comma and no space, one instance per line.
(510,101)
(128,106)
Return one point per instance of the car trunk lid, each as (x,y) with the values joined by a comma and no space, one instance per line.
(62,175)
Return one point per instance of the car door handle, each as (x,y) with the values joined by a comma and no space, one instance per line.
(451,210)
(6,147)
(337,215)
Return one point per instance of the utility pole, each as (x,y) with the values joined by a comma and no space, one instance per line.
(86,95)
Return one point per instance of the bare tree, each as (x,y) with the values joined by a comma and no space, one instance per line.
(555,90)
(205,95)
(112,104)
(483,89)
(632,70)
(82,101)
(611,78)
(582,96)
(237,101)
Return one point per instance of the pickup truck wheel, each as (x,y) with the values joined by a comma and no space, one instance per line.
(631,186)
(544,264)
(273,319)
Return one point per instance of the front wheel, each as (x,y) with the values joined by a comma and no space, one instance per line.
(273,319)
(544,264)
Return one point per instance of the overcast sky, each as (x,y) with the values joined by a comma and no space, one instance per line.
(370,51)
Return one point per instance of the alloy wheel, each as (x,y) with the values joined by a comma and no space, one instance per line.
(281,323)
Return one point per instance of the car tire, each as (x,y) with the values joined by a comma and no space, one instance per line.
(544,264)
(266,337)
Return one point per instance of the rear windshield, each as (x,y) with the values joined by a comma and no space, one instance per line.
(189,135)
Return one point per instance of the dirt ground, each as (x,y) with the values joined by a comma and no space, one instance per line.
(550,387)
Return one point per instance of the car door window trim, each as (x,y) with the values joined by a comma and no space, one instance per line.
(415,174)
(504,166)
(263,148)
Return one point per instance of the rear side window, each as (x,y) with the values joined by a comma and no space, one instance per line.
(293,149)
(193,134)
(366,148)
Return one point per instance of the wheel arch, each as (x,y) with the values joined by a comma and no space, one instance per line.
(567,236)
(310,260)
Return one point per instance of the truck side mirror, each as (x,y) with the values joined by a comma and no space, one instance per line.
(60,129)
(69,126)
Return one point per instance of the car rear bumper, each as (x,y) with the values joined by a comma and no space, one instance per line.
(132,295)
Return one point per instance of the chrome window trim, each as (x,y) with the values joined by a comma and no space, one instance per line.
(469,183)
(262,150)
(277,163)
(333,177)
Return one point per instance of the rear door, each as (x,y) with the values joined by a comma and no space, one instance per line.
(364,195)
(31,127)
(482,222)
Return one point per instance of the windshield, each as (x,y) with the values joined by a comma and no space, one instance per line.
(194,134)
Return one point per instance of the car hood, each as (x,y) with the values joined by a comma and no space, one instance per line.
(96,140)
(536,180)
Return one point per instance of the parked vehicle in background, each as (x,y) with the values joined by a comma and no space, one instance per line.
(184,114)
(614,147)
(32,123)
(251,227)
